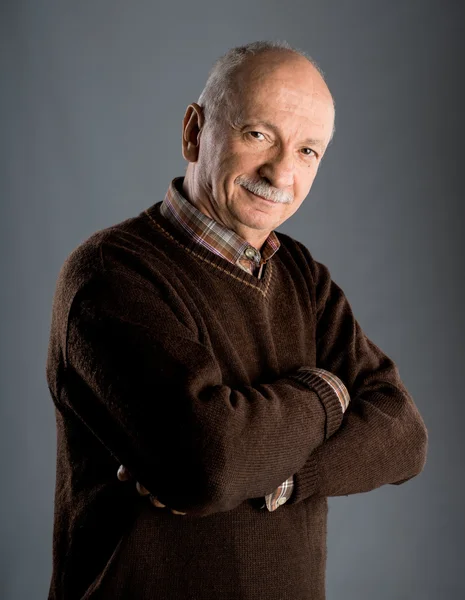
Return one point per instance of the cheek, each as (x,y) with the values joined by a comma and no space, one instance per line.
(214,151)
(305,180)
(232,164)
(243,157)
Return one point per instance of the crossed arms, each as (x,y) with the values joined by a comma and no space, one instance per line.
(140,380)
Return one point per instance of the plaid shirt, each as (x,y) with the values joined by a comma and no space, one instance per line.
(213,235)
(228,244)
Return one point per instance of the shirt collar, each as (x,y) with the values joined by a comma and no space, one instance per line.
(211,234)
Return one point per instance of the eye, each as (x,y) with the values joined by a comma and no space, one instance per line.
(309,153)
(255,135)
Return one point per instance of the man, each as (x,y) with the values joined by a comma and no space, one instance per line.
(216,362)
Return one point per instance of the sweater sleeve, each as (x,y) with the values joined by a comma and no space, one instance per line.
(140,380)
(382,438)
(323,382)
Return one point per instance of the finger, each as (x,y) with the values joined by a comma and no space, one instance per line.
(177,512)
(123,474)
(141,489)
(154,500)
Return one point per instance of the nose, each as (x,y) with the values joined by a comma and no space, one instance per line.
(279,169)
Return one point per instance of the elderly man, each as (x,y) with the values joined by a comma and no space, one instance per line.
(219,364)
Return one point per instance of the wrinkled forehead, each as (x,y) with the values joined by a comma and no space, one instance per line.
(284,96)
(286,104)
(293,86)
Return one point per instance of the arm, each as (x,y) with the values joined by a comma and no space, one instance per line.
(382,438)
(140,380)
(319,380)
(322,382)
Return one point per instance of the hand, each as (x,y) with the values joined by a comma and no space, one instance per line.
(123,475)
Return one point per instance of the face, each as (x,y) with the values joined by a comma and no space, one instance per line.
(253,168)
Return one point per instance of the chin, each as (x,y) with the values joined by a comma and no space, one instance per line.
(260,222)
(252,212)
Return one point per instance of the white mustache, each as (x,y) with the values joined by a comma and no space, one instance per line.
(261,188)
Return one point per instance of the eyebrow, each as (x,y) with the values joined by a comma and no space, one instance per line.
(309,141)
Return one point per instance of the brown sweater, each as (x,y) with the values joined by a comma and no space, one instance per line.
(185,368)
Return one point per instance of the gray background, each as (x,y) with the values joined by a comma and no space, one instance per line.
(92,100)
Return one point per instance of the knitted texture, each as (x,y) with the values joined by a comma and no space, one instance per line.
(224,242)
(185,368)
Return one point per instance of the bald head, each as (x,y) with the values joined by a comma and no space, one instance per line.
(286,78)
(239,72)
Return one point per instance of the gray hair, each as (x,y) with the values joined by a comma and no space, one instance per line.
(214,95)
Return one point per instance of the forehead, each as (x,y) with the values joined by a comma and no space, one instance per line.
(283,100)
(293,92)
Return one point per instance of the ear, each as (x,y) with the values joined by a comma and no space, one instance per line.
(191,127)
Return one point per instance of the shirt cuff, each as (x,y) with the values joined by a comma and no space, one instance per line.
(280,496)
(311,375)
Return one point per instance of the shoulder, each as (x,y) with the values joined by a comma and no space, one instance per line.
(295,251)
(125,246)
(122,250)
(126,267)
(328,295)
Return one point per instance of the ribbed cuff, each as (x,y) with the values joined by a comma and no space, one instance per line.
(327,395)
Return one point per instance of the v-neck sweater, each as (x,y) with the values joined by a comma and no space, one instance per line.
(221,240)
(194,374)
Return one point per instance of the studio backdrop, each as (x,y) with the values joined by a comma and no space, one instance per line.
(92,100)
